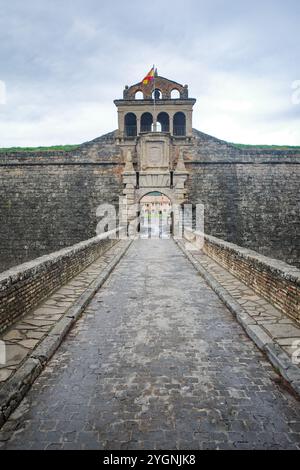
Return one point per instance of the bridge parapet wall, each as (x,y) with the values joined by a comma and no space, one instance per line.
(276,281)
(25,286)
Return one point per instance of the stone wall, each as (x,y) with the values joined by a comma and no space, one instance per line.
(276,281)
(251,197)
(23,287)
(253,205)
(48,200)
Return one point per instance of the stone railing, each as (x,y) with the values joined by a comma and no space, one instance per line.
(24,286)
(276,281)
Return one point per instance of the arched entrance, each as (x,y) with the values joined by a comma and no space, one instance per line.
(155,216)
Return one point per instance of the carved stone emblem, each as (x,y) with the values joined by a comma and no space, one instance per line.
(155,156)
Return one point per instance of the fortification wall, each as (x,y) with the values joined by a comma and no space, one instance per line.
(48,200)
(253,205)
(251,197)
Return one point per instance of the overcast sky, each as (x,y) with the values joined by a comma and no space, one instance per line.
(63,62)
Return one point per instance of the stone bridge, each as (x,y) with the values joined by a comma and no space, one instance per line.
(150,344)
(126,342)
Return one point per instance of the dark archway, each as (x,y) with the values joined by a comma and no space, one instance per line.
(163,119)
(179,124)
(146,122)
(130,125)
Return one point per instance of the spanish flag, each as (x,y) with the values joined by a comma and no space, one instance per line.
(149,77)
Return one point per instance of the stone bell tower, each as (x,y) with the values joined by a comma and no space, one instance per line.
(154,133)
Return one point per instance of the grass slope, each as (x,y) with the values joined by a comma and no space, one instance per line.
(266,147)
(69,148)
(64,148)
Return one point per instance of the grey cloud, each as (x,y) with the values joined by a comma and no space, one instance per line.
(68,54)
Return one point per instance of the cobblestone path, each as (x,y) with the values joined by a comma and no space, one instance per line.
(156,362)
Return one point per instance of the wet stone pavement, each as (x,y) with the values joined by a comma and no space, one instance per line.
(27,332)
(156,362)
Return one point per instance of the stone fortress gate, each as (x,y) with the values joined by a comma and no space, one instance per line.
(250,194)
(154,358)
(154,133)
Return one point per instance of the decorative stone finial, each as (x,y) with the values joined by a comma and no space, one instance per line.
(180,167)
(128,162)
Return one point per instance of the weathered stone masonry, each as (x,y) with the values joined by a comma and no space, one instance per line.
(48,200)
(250,198)
(276,281)
(23,287)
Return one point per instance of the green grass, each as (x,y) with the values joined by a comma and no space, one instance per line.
(69,148)
(64,148)
(267,147)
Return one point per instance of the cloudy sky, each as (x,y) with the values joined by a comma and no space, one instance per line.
(63,62)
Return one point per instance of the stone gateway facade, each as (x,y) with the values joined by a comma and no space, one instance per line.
(153,135)
(48,200)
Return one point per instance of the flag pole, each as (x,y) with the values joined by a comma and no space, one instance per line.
(154,107)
